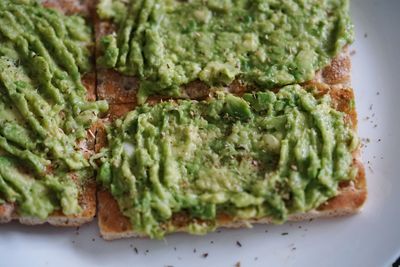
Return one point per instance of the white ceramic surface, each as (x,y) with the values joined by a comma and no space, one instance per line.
(371,238)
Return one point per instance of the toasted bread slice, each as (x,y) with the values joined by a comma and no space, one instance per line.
(334,80)
(87,196)
(118,88)
(120,91)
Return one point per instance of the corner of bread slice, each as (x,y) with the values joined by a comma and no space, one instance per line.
(338,72)
(87,200)
(87,197)
(6,211)
(351,198)
(112,223)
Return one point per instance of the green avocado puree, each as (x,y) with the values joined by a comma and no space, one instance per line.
(263,154)
(268,43)
(44,113)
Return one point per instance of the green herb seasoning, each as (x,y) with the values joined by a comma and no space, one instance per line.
(267,43)
(44,114)
(266,154)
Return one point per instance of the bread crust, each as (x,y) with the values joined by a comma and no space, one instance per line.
(87,196)
(114,225)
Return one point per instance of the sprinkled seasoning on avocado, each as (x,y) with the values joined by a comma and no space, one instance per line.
(268,43)
(44,113)
(265,154)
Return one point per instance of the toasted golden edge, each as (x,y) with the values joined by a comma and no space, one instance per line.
(114,225)
(87,197)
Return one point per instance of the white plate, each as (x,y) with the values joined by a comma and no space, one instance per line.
(371,238)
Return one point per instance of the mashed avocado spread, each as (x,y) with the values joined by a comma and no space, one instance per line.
(268,43)
(44,114)
(265,154)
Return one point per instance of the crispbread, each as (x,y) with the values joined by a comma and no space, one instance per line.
(121,92)
(87,197)
(334,79)
(117,88)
